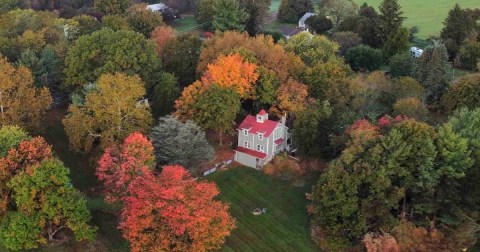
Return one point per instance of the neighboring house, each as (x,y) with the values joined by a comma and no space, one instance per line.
(416,52)
(260,139)
(157,7)
(301,22)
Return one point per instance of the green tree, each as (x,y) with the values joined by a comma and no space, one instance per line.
(397,42)
(64,207)
(19,231)
(180,57)
(312,49)
(469,55)
(111,7)
(306,128)
(107,51)
(257,11)
(54,65)
(458,25)
(338,10)
(403,64)
(8,5)
(116,22)
(10,137)
(364,57)
(228,15)
(434,72)
(319,24)
(266,88)
(178,143)
(143,20)
(464,93)
(217,109)
(390,19)
(165,92)
(30,60)
(205,13)
(112,111)
(292,10)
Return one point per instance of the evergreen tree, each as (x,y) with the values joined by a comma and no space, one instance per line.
(258,11)
(434,71)
(390,19)
(403,64)
(178,143)
(228,15)
(30,60)
(292,10)
(457,26)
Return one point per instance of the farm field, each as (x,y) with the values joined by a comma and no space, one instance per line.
(285,225)
(428,15)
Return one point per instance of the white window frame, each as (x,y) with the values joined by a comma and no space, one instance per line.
(247,145)
(260,136)
(245,132)
(260,148)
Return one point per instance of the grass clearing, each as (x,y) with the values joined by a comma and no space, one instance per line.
(428,15)
(285,225)
(275,6)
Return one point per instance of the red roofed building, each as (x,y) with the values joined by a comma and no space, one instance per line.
(260,139)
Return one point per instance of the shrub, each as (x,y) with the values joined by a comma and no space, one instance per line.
(364,57)
(410,107)
(464,93)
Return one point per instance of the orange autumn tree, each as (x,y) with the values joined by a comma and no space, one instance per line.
(174,212)
(162,35)
(292,98)
(232,71)
(184,105)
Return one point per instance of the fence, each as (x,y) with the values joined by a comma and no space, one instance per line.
(217,166)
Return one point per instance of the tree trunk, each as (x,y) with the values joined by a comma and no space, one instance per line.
(220,138)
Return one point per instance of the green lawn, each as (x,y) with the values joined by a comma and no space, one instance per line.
(285,225)
(275,5)
(428,15)
(185,24)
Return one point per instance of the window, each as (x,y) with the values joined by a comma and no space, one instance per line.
(278,133)
(260,148)
(247,145)
(260,136)
(245,132)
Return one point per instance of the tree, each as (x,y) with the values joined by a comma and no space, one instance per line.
(228,15)
(292,98)
(284,168)
(405,87)
(20,102)
(434,72)
(319,24)
(162,36)
(306,128)
(378,243)
(390,19)
(86,24)
(411,107)
(469,55)
(11,137)
(396,43)
(180,57)
(106,51)
(198,222)
(111,7)
(178,143)
(292,10)
(217,109)
(403,64)
(338,10)
(257,12)
(464,93)
(364,57)
(164,95)
(205,13)
(184,109)
(116,22)
(143,20)
(8,5)
(457,27)
(346,40)
(111,112)
(312,49)
(232,71)
(64,207)
(120,165)
(54,65)
(30,60)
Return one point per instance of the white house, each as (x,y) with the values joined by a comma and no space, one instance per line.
(416,52)
(260,139)
(301,22)
(156,7)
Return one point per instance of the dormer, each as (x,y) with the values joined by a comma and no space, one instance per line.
(262,116)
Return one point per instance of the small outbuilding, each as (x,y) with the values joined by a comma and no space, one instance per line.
(157,7)
(416,52)
(301,22)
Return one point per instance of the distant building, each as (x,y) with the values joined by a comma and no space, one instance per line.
(416,52)
(157,7)
(301,22)
(260,139)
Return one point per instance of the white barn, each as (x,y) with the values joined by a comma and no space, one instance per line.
(416,52)
(301,22)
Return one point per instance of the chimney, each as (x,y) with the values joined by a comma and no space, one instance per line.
(284,119)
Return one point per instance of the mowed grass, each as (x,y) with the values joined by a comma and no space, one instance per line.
(184,24)
(428,15)
(285,225)
(275,5)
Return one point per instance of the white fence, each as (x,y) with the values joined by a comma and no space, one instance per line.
(217,166)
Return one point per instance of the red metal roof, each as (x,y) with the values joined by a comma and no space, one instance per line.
(250,123)
(262,112)
(257,154)
(279,141)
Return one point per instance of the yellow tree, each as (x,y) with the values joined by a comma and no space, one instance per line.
(112,111)
(232,71)
(292,98)
(21,103)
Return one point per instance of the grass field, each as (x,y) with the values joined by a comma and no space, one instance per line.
(285,225)
(187,23)
(275,5)
(428,15)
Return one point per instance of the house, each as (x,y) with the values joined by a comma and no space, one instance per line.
(260,139)
(416,52)
(301,22)
(157,7)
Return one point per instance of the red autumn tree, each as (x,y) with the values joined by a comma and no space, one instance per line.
(380,243)
(27,154)
(162,35)
(232,71)
(120,165)
(174,212)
